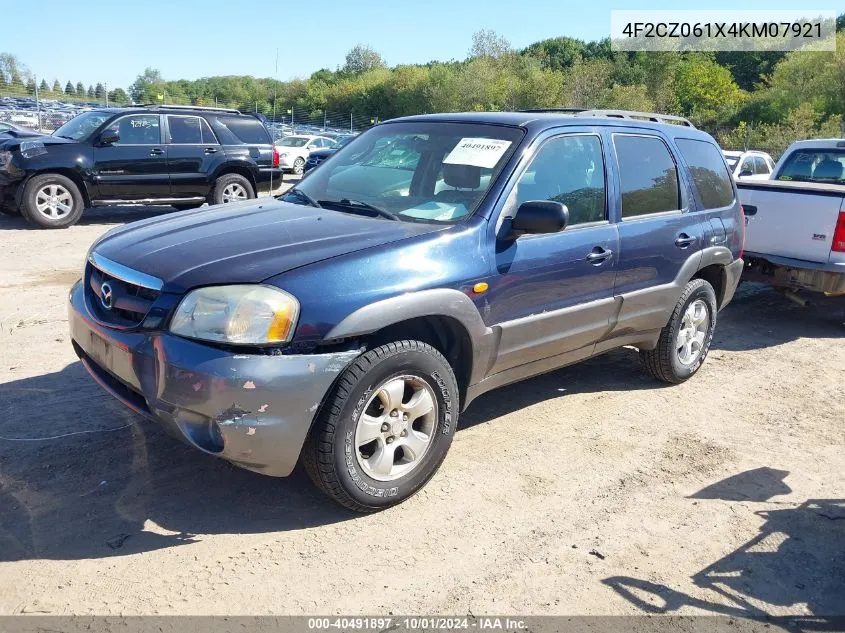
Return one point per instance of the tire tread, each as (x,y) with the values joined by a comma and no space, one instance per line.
(318,452)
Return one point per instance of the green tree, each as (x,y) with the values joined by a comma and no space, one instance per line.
(558,53)
(362,58)
(30,86)
(99,91)
(57,87)
(43,87)
(706,90)
(119,96)
(488,43)
(91,92)
(69,89)
(80,89)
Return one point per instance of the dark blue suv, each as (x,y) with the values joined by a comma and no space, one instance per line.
(432,259)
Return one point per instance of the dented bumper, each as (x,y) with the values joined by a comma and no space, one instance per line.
(252,410)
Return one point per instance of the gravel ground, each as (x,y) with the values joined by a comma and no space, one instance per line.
(590,490)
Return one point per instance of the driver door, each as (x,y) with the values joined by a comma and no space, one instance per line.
(554,292)
(134,167)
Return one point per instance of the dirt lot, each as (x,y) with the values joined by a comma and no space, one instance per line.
(591,490)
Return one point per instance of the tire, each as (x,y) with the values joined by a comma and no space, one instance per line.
(299,166)
(231,188)
(684,342)
(187,206)
(52,201)
(336,454)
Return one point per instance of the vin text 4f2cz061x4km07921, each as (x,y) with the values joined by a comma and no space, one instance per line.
(348,323)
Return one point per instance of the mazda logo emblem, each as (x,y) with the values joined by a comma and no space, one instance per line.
(107,296)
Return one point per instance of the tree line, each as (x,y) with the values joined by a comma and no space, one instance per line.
(764,99)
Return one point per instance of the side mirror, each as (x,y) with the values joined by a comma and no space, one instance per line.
(539,216)
(109,137)
(745,172)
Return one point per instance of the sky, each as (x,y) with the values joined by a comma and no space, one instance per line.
(105,41)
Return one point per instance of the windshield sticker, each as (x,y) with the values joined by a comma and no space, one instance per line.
(31,149)
(477,152)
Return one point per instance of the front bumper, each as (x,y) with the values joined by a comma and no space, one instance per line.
(252,410)
(288,161)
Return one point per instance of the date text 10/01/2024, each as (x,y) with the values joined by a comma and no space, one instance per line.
(417,623)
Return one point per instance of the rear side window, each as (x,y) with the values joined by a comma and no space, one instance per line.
(242,130)
(184,130)
(647,174)
(761,167)
(709,174)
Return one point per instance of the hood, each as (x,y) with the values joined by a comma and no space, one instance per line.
(244,242)
(10,140)
(322,153)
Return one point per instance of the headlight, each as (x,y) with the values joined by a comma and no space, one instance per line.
(244,314)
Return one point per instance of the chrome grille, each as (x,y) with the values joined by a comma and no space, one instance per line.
(119,295)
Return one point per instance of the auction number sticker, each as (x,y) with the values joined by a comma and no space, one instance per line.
(477,152)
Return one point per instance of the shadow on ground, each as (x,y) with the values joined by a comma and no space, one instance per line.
(795,558)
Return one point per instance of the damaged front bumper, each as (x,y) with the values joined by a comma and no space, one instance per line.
(252,410)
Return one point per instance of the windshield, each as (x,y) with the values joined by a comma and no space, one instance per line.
(814,165)
(293,141)
(418,172)
(81,126)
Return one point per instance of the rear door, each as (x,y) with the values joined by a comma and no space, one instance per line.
(658,233)
(192,154)
(135,167)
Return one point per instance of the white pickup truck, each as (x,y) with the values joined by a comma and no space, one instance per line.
(795,222)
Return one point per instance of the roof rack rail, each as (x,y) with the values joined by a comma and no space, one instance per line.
(641,116)
(562,110)
(188,107)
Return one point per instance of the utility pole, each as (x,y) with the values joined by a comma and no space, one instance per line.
(106,87)
(37,102)
(350,121)
(325,119)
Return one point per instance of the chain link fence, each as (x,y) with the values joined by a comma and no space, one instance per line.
(36,104)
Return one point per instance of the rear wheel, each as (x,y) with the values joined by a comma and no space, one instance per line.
(386,427)
(52,201)
(231,188)
(299,166)
(685,341)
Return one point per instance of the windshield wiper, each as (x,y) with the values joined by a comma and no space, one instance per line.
(299,192)
(358,205)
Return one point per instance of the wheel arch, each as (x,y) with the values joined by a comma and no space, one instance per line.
(71,174)
(241,170)
(446,319)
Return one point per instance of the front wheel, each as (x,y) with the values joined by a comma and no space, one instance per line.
(385,428)
(685,341)
(52,201)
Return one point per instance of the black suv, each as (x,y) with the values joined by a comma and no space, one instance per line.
(173,155)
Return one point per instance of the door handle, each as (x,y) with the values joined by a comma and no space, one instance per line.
(210,150)
(598,256)
(156,151)
(684,240)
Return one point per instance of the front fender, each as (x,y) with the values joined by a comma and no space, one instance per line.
(444,302)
